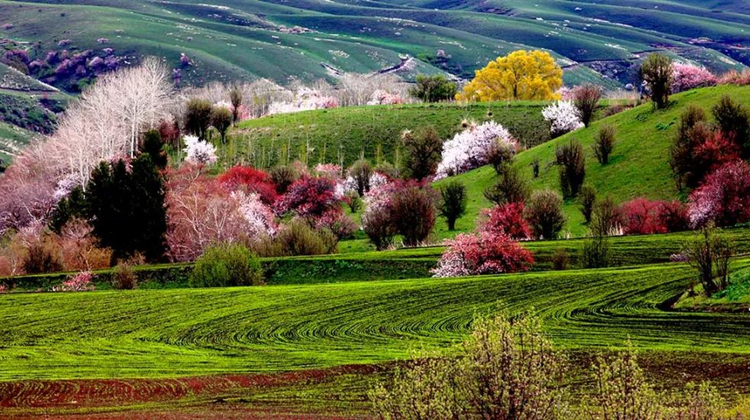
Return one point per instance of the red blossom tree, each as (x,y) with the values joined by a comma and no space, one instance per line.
(723,198)
(506,219)
(251,180)
(483,253)
(310,197)
(642,216)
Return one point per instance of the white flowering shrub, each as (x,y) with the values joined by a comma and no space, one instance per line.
(469,149)
(563,117)
(259,216)
(377,179)
(306,99)
(199,152)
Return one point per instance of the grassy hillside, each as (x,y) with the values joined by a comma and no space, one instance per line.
(12,139)
(230,39)
(639,165)
(326,135)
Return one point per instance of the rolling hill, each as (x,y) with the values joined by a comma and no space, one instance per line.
(277,39)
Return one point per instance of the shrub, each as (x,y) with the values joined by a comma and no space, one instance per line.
(507,219)
(433,88)
(572,168)
(545,215)
(606,219)
(424,150)
(353,200)
(674,215)
(723,198)
(123,277)
(563,118)
(687,77)
(225,265)
(604,143)
(586,99)
(734,123)
(79,248)
(734,77)
(452,202)
(469,149)
(621,391)
(298,238)
(360,173)
(42,256)
(249,180)
(709,253)
(657,72)
(483,253)
(595,252)
(587,198)
(413,212)
(510,188)
(560,259)
(507,369)
(500,156)
(535,168)
(199,152)
(335,221)
(283,177)
(81,282)
(378,224)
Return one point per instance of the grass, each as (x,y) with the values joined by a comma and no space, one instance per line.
(169,333)
(639,165)
(326,136)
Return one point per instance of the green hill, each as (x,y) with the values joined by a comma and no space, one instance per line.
(233,39)
(639,165)
(326,135)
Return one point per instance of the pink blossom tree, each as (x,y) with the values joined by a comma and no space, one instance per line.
(483,253)
(688,76)
(723,198)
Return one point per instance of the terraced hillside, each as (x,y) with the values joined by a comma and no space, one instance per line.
(230,39)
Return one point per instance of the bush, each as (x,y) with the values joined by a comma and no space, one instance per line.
(424,150)
(298,238)
(563,118)
(413,212)
(353,200)
(572,163)
(283,177)
(124,278)
(734,123)
(42,257)
(500,156)
(595,252)
(587,198)
(506,219)
(309,197)
(688,76)
(535,168)
(378,225)
(335,221)
(506,369)
(361,172)
(696,149)
(510,188)
(674,216)
(545,215)
(658,73)
(81,282)
(606,219)
(452,202)
(483,253)
(560,259)
(227,265)
(586,99)
(469,149)
(433,88)
(709,253)
(604,143)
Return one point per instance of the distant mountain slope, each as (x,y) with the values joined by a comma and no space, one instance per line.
(279,39)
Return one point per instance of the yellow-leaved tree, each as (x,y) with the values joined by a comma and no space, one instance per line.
(521,75)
